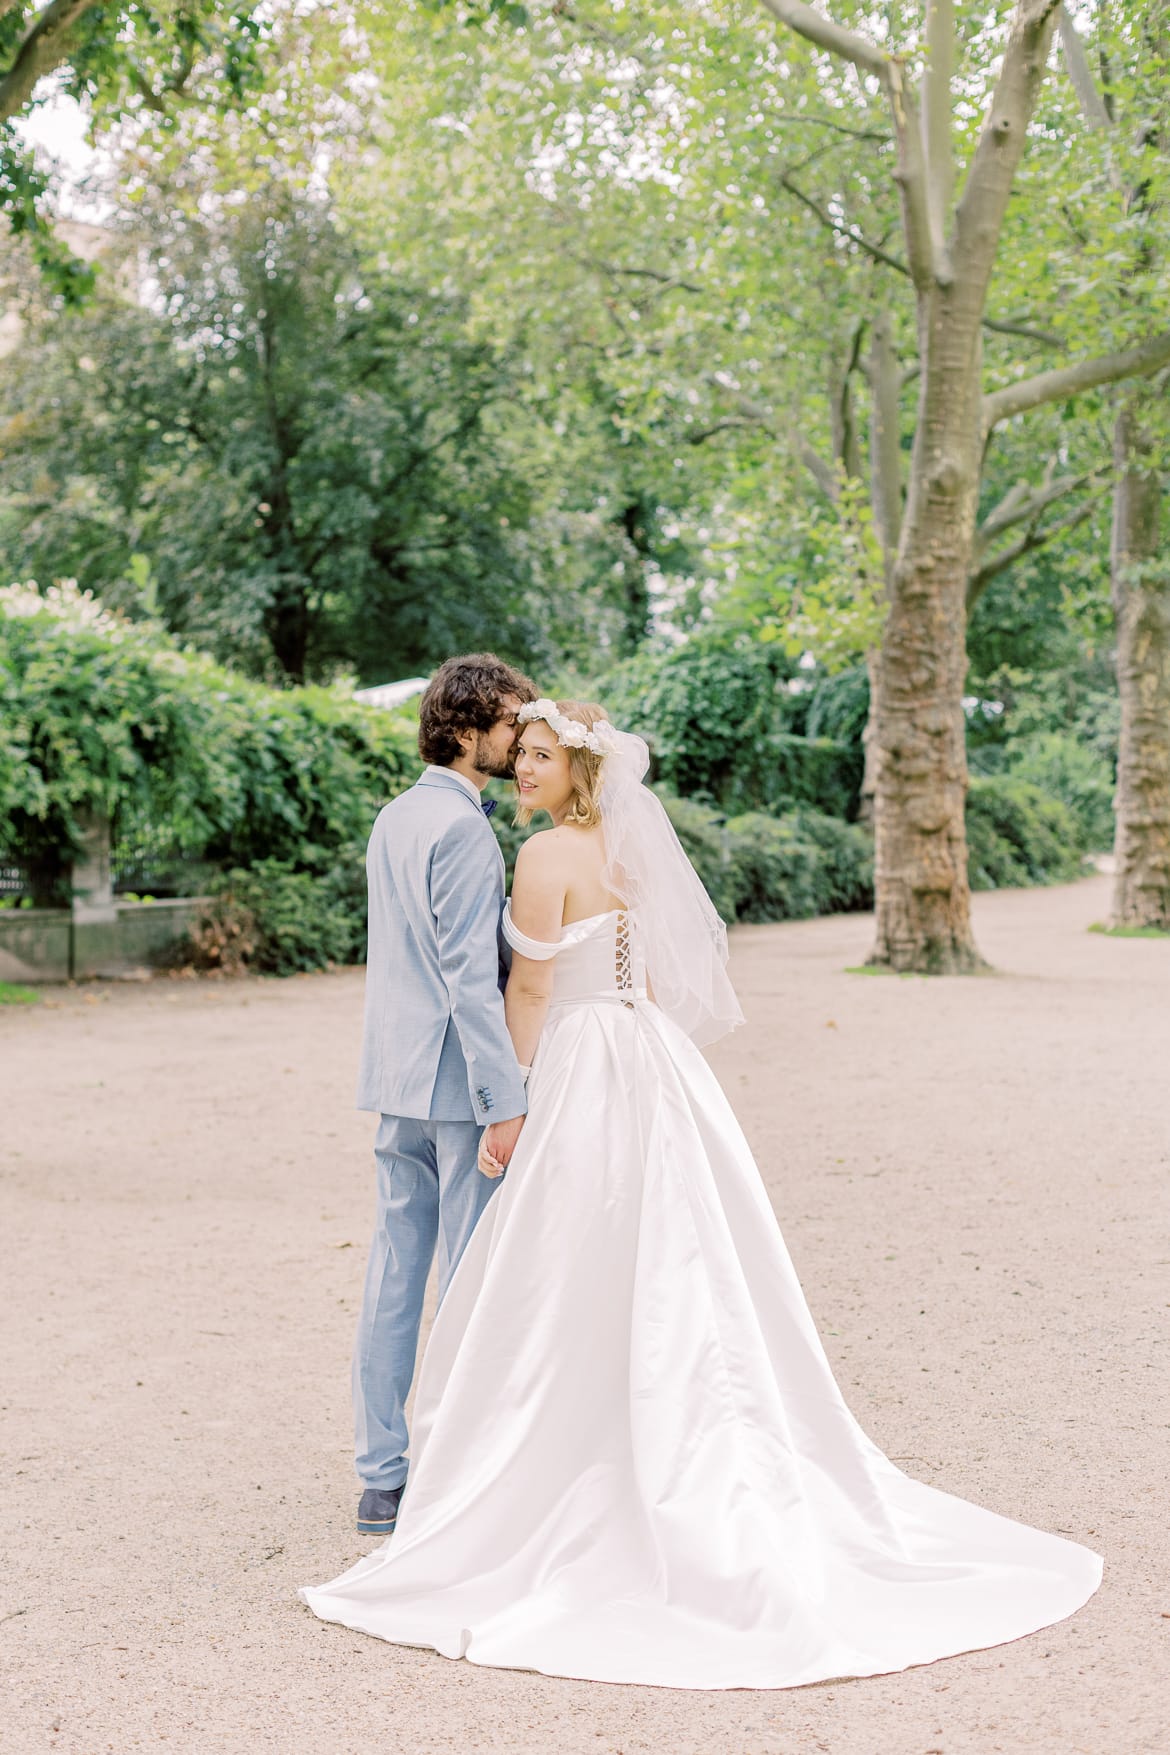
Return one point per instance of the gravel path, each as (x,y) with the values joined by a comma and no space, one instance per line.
(971,1175)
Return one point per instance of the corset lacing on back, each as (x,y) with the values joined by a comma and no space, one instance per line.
(597,959)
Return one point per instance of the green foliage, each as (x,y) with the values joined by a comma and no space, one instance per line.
(114,56)
(308,463)
(721,719)
(775,870)
(762,867)
(1129,931)
(838,706)
(701,831)
(1018,835)
(101,715)
(799,865)
(1064,768)
(23,190)
(279,921)
(13,995)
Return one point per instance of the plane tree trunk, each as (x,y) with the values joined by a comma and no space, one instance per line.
(1141,607)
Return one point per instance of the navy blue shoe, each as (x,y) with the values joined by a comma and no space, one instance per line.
(378,1510)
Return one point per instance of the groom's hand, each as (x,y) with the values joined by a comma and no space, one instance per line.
(498,1144)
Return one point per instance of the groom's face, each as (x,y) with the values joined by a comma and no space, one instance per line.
(493,752)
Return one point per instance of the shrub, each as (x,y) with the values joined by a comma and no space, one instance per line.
(223,937)
(278,920)
(775,868)
(109,716)
(762,867)
(838,706)
(700,829)
(1064,768)
(845,884)
(725,726)
(799,865)
(1017,835)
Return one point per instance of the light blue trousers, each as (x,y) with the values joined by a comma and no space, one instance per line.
(429,1191)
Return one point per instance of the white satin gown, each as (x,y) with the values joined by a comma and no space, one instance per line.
(630,1459)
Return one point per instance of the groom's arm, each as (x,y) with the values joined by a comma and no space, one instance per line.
(465,903)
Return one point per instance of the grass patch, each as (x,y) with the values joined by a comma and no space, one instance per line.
(880,969)
(10,995)
(1129,931)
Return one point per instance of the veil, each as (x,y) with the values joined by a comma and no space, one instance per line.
(675,923)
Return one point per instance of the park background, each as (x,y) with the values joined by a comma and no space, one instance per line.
(790,379)
(695,359)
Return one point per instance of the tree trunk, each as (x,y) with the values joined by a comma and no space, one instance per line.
(869,743)
(287,625)
(1141,606)
(635,522)
(885,492)
(923,898)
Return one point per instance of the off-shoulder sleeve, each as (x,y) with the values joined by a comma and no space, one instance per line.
(538,949)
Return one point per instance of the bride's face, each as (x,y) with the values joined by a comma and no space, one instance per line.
(542,768)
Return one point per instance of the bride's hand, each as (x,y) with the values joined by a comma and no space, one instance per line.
(487,1165)
(497,1144)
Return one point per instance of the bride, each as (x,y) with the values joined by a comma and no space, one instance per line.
(631,1461)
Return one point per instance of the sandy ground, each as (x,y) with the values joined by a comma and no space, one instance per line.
(972,1177)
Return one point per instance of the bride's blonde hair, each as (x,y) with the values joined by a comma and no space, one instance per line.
(584,771)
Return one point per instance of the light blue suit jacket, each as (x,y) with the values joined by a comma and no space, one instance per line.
(436,1046)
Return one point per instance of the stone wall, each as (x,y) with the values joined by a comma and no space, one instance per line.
(55,944)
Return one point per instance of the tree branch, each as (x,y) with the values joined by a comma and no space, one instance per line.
(925,264)
(1001,326)
(824,34)
(980,214)
(1110,368)
(1023,503)
(821,472)
(44,46)
(810,122)
(981,577)
(885,444)
(1075,60)
(1004,326)
(616,271)
(937,144)
(728,423)
(874,251)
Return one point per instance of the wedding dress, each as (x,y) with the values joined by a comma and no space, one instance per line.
(631,1462)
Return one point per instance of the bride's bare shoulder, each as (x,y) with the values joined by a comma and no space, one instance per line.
(539,858)
(554,845)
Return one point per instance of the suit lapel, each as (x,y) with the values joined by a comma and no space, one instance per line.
(448,783)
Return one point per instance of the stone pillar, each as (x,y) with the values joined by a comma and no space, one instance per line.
(95,946)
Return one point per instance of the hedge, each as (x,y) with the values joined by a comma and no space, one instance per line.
(762,867)
(279,788)
(756,867)
(726,717)
(1019,835)
(109,716)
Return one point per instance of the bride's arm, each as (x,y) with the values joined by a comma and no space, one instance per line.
(538,908)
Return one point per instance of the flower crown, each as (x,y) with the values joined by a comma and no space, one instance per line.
(570,733)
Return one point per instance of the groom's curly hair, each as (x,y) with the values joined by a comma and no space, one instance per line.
(465,694)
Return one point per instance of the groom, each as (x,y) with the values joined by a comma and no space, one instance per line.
(437,1061)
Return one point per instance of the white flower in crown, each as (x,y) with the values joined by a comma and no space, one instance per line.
(570,733)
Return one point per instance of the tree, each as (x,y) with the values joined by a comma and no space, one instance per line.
(946,263)
(1134,117)
(951,246)
(128,60)
(297,466)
